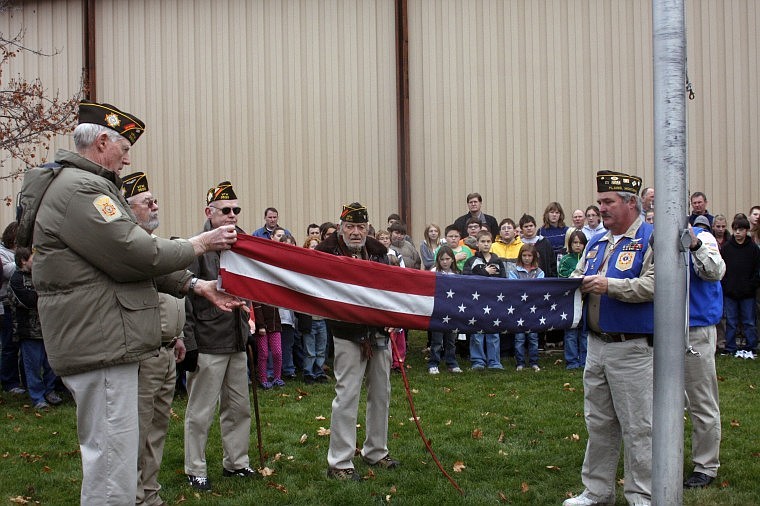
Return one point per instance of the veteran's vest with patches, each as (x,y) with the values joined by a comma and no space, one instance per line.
(625,262)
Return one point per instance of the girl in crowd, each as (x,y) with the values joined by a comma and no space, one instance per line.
(554,228)
(385,239)
(527,268)
(445,342)
(311,242)
(432,240)
(593,222)
(325,229)
(720,230)
(575,339)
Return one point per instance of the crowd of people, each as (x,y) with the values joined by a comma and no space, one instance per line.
(150,319)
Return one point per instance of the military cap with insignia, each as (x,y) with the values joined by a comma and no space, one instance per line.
(125,124)
(222,191)
(134,183)
(354,213)
(611,181)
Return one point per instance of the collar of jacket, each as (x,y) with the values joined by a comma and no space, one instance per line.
(71,159)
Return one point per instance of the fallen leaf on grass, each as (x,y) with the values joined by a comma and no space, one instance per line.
(265,471)
(320,417)
(459,466)
(370,474)
(735,423)
(575,437)
(502,497)
(303,439)
(724,484)
(415,391)
(559,361)
(491,395)
(501,437)
(477,434)
(173,414)
(446,390)
(448,422)
(553,468)
(46,469)
(411,419)
(302,393)
(621,482)
(524,487)
(751,386)
(19,500)
(277,486)
(181,499)
(393,489)
(323,432)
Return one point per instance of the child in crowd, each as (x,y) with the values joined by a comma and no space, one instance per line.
(742,259)
(471,241)
(288,331)
(577,338)
(393,257)
(485,349)
(720,230)
(554,228)
(311,242)
(40,378)
(268,340)
(444,341)
(432,240)
(461,253)
(527,268)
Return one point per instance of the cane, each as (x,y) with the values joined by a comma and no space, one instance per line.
(256,412)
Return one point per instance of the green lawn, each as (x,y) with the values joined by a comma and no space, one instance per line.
(519,436)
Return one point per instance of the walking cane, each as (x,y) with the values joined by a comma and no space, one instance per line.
(256,400)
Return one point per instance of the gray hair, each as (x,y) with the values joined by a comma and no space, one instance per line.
(86,133)
(626,196)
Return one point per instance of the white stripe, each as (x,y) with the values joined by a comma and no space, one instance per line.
(357,295)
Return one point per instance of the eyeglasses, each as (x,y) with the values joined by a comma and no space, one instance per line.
(227,210)
(147,202)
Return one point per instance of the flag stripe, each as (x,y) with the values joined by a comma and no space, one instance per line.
(315,287)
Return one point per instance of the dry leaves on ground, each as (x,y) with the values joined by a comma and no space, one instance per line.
(323,432)
(458,466)
(477,434)
(524,487)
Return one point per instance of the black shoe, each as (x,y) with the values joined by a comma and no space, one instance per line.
(386,462)
(199,483)
(309,380)
(343,474)
(243,472)
(322,379)
(697,480)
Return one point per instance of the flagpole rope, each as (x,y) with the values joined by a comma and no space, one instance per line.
(425,440)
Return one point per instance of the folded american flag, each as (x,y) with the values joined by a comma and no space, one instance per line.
(358,291)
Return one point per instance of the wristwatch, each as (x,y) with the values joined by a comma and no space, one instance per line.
(191,287)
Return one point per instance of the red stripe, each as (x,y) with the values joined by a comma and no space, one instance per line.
(275,295)
(341,269)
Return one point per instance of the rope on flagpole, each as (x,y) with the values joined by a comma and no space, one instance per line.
(425,440)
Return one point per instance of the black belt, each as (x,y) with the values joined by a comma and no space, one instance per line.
(620,338)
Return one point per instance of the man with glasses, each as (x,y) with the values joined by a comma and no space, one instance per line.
(222,371)
(474,204)
(158,373)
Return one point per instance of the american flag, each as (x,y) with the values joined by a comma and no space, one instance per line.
(358,291)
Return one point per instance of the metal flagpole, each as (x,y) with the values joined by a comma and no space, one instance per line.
(670,297)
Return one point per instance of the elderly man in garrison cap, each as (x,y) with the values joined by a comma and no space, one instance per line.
(97,274)
(222,372)
(158,374)
(359,350)
(618,280)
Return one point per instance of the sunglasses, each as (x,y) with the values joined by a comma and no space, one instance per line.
(227,210)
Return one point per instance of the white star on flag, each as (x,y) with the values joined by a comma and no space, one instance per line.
(472,321)
(547,296)
(510,310)
(564,316)
(520,322)
(496,322)
(542,320)
(533,309)
(446,319)
(450,294)
(500,297)
(487,310)
(524,297)
(462,307)
(475,296)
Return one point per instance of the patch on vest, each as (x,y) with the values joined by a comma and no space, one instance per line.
(106,207)
(625,260)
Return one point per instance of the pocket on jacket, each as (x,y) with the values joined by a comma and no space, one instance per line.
(141,318)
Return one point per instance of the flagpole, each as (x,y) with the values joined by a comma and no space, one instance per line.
(670,297)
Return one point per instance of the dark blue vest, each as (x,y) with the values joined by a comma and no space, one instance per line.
(705,298)
(625,262)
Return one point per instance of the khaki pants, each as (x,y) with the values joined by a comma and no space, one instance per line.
(155,392)
(349,371)
(107,427)
(222,377)
(618,392)
(702,400)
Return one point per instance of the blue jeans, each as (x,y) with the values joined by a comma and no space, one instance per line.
(532,348)
(484,351)
(736,311)
(9,370)
(314,347)
(40,378)
(443,342)
(575,348)
(287,335)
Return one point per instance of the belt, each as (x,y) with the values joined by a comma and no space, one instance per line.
(620,338)
(170,344)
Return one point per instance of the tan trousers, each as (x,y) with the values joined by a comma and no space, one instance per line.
(618,392)
(155,392)
(702,400)
(222,378)
(349,371)
(107,427)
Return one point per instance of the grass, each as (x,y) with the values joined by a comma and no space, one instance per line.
(520,436)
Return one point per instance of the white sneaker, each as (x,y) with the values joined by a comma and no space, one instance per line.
(433,370)
(749,355)
(739,354)
(582,500)
(519,368)
(455,370)
(535,368)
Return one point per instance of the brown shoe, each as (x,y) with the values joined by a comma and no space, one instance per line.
(386,462)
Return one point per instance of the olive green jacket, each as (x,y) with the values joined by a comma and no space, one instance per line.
(97,273)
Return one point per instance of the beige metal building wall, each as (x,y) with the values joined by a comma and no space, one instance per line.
(52,27)
(524,100)
(292,101)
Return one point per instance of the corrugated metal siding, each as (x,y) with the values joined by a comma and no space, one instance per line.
(52,28)
(294,102)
